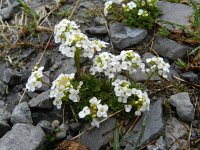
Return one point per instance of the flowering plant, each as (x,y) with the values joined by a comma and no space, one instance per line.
(94,95)
(133,13)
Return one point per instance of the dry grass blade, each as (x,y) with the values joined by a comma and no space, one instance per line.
(71,145)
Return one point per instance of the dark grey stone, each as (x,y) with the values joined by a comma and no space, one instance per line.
(154,126)
(169,48)
(26,54)
(3,88)
(98,30)
(62,132)
(23,137)
(74,126)
(11,76)
(99,136)
(46,126)
(41,101)
(190,76)
(175,13)
(21,114)
(174,130)
(4,128)
(4,114)
(2,103)
(100,21)
(124,37)
(4,119)
(184,107)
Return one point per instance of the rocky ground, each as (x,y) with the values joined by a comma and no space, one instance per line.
(29,121)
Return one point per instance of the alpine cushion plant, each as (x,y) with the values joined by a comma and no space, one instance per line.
(133,13)
(97,93)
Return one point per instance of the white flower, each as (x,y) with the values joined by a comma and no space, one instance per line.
(34,80)
(140,12)
(57,103)
(94,102)
(128,108)
(84,112)
(107,6)
(102,110)
(158,65)
(95,122)
(74,95)
(131,5)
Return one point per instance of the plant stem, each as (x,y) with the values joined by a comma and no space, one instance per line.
(152,73)
(78,63)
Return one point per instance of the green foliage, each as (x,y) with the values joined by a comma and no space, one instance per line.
(51,138)
(164,32)
(181,64)
(174,1)
(116,143)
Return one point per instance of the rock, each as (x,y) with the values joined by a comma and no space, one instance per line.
(100,21)
(46,126)
(2,103)
(161,144)
(26,54)
(11,76)
(62,132)
(74,126)
(184,107)
(146,56)
(21,114)
(4,118)
(181,144)
(87,5)
(190,76)
(174,130)
(153,129)
(55,124)
(169,48)
(124,37)
(46,79)
(6,13)
(12,100)
(41,101)
(175,13)
(23,137)
(99,136)
(3,88)
(98,30)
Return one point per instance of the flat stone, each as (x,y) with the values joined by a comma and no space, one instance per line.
(169,48)
(46,126)
(23,137)
(184,107)
(190,76)
(98,30)
(98,137)
(175,13)
(21,114)
(11,76)
(123,37)
(154,126)
(41,101)
(174,130)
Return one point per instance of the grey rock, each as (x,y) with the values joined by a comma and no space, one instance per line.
(175,13)
(41,101)
(21,114)
(100,21)
(172,72)
(23,137)
(86,5)
(4,114)
(98,30)
(146,56)
(174,130)
(6,13)
(12,100)
(4,128)
(99,136)
(26,54)
(154,126)
(2,103)
(55,124)
(140,76)
(190,76)
(11,76)
(184,107)
(62,133)
(74,126)
(3,88)
(152,147)
(169,48)
(46,126)
(46,79)
(161,144)
(181,144)
(124,37)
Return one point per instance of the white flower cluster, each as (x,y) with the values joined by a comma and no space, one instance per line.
(158,65)
(129,6)
(35,80)
(123,92)
(131,61)
(62,87)
(68,34)
(107,63)
(96,110)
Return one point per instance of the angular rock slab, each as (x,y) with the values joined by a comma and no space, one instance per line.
(23,137)
(184,107)
(123,37)
(154,126)
(175,13)
(169,48)
(173,131)
(21,114)
(98,137)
